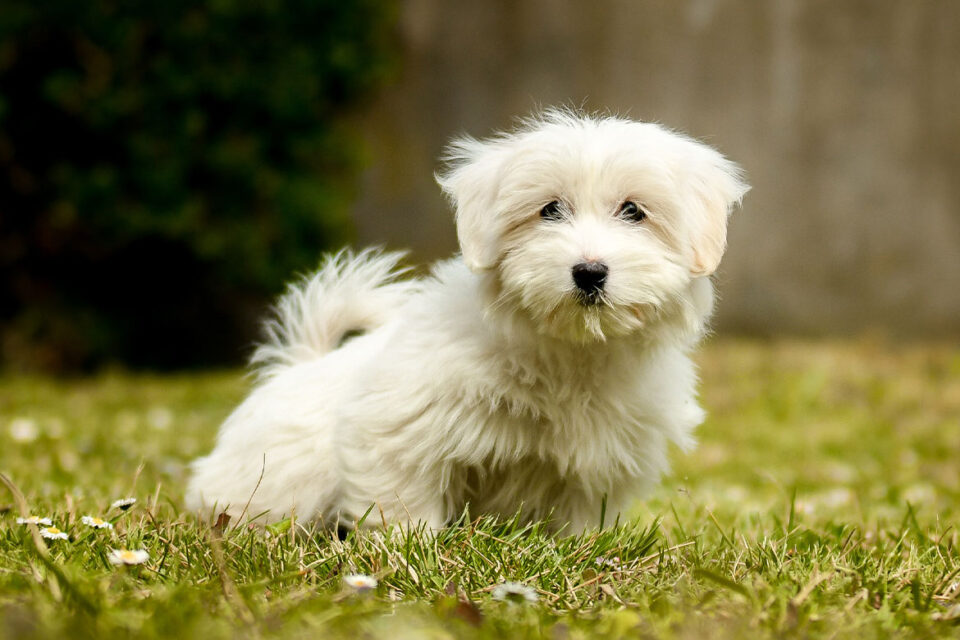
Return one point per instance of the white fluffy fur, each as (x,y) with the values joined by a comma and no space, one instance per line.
(488,383)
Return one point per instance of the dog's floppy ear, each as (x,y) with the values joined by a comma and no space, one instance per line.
(715,185)
(471,180)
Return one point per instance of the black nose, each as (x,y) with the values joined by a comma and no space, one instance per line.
(589,277)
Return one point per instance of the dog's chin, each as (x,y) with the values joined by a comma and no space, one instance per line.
(589,320)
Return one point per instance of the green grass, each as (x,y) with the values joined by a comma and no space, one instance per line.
(822,502)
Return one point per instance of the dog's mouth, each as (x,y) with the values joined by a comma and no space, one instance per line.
(593,318)
(590,298)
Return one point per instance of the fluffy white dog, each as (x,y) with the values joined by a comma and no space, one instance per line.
(546,370)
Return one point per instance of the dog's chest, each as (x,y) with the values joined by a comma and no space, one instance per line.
(573,416)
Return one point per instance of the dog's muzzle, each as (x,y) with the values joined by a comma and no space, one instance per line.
(589,278)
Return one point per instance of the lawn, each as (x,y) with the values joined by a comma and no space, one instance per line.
(822,502)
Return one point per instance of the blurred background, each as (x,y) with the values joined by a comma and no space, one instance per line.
(166,167)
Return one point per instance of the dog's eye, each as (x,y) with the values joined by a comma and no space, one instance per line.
(551,211)
(632,211)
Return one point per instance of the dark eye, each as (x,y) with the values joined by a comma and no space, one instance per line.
(551,211)
(632,211)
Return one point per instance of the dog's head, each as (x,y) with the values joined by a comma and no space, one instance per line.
(594,226)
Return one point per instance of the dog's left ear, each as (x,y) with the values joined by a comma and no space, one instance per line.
(471,180)
(715,185)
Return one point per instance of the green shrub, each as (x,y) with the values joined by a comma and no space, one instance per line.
(164,166)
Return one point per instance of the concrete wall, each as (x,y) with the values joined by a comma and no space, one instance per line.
(845,114)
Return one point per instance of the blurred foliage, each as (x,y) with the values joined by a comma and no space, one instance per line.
(164,166)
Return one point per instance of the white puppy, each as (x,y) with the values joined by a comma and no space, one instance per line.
(545,371)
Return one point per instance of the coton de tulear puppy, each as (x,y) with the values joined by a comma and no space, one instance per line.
(546,370)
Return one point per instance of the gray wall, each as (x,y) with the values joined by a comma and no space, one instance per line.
(845,114)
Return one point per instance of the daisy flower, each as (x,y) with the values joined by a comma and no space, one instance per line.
(614,563)
(127,557)
(515,593)
(123,504)
(52,533)
(160,418)
(96,523)
(23,430)
(35,520)
(360,582)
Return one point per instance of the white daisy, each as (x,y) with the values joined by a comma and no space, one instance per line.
(96,523)
(360,582)
(127,557)
(613,563)
(35,520)
(52,533)
(160,418)
(123,504)
(515,593)
(23,430)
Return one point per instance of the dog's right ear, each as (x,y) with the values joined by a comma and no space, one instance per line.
(471,180)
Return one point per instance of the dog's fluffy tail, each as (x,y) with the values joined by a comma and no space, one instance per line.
(351,293)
